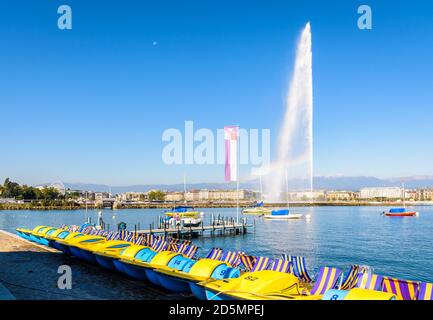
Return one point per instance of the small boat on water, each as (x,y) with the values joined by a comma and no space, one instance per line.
(400,212)
(182,212)
(257,209)
(185,222)
(282,215)
(183,215)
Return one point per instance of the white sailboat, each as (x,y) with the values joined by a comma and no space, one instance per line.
(401,212)
(283,214)
(259,208)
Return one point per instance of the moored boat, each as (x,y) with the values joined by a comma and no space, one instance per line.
(40,236)
(130,254)
(106,253)
(25,233)
(75,244)
(183,274)
(57,242)
(145,262)
(182,212)
(400,212)
(282,215)
(259,285)
(29,234)
(358,294)
(258,209)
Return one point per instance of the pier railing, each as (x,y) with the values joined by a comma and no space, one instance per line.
(218,226)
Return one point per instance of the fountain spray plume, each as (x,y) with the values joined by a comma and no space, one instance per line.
(295,143)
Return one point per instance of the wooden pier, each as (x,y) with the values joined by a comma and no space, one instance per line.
(224,228)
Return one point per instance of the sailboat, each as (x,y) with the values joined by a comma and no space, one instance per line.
(185,214)
(259,207)
(283,214)
(401,212)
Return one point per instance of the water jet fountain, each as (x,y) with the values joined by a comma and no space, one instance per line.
(295,141)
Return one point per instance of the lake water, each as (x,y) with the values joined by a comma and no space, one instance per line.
(333,236)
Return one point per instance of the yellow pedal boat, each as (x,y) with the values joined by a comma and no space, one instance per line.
(181,275)
(41,234)
(358,294)
(124,262)
(274,285)
(106,252)
(260,285)
(145,262)
(32,235)
(71,244)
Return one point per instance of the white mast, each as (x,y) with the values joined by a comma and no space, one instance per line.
(287,187)
(184,187)
(237,175)
(261,187)
(86,207)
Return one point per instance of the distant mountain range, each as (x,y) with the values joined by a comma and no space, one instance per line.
(323,183)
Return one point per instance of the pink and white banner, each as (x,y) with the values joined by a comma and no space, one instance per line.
(231,148)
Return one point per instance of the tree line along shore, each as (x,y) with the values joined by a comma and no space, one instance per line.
(60,205)
(14,196)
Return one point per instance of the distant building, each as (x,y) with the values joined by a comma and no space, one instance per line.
(411,195)
(225,195)
(341,195)
(306,195)
(59,186)
(381,193)
(99,196)
(133,196)
(174,196)
(192,196)
(425,194)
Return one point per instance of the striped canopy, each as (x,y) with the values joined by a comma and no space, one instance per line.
(247,261)
(231,257)
(262,263)
(350,278)
(369,281)
(403,289)
(326,280)
(281,265)
(160,245)
(299,267)
(190,251)
(139,239)
(425,291)
(214,253)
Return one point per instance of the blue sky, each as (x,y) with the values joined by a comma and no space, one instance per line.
(90,104)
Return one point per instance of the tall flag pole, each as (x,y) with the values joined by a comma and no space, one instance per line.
(231,136)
